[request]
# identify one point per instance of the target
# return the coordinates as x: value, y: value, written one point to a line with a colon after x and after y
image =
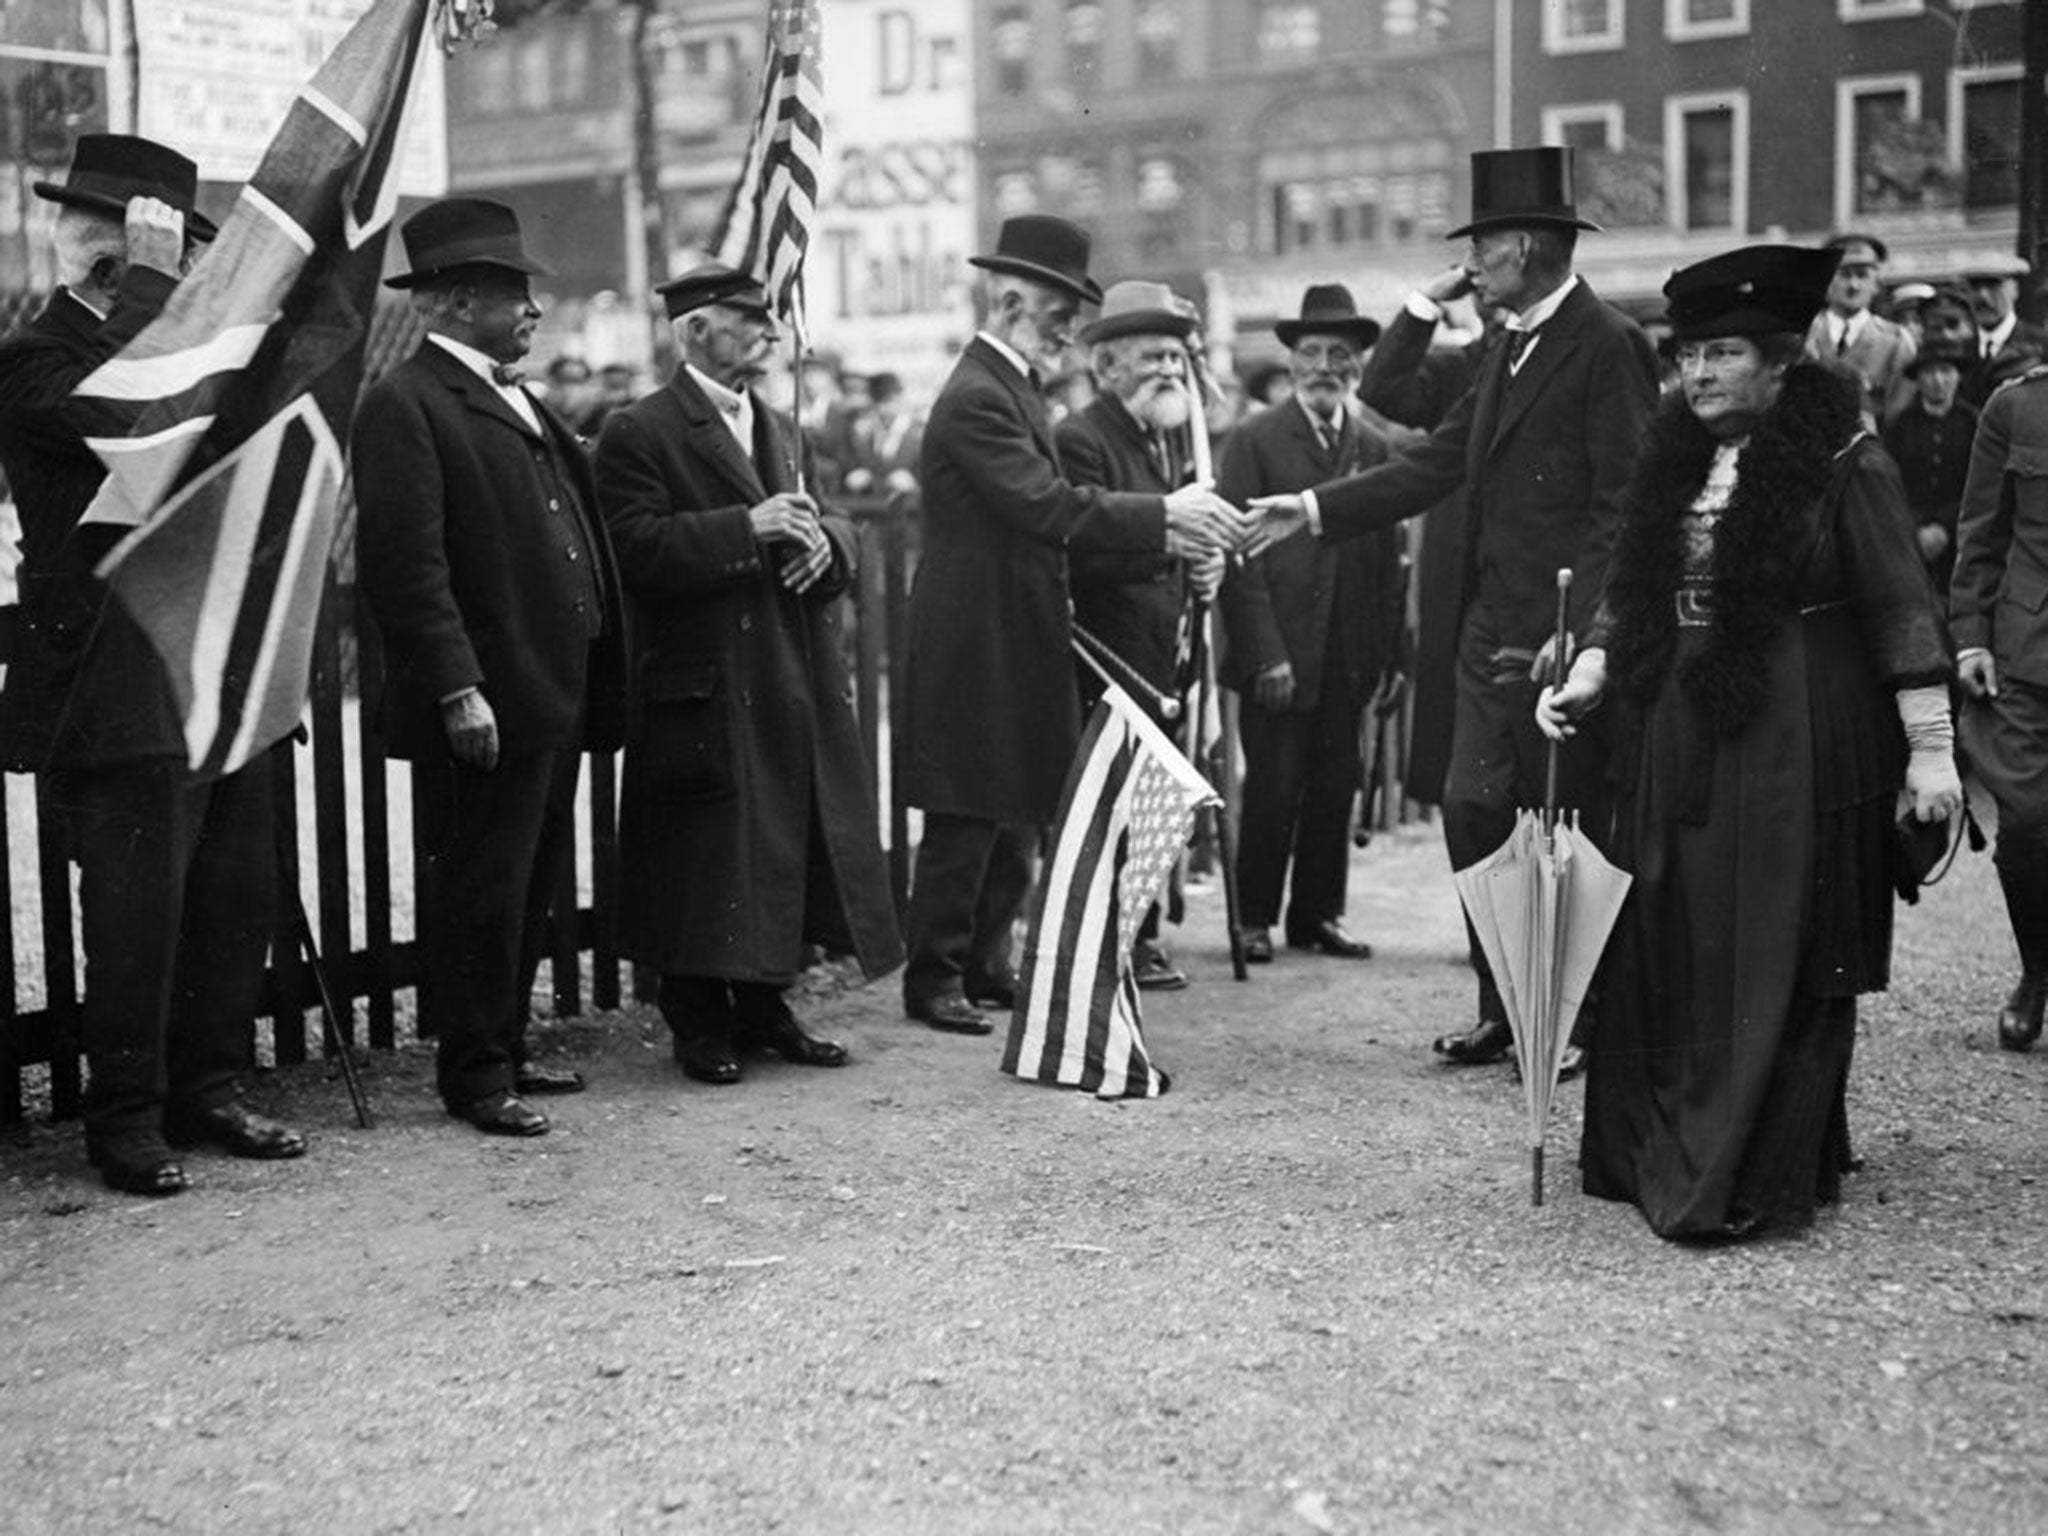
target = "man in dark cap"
x: 1849, y: 334
x: 1543, y: 446
x: 488, y: 571
x: 994, y: 710
x: 1311, y: 631
x: 748, y: 825
x: 177, y: 876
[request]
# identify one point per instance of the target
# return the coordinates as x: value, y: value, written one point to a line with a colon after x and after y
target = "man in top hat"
x: 489, y: 574
x: 1930, y: 441
x: 994, y: 712
x: 1850, y: 334
x: 1543, y: 446
x: 1310, y: 631
x: 2007, y: 346
x: 1133, y: 436
x: 747, y: 822
x: 177, y: 877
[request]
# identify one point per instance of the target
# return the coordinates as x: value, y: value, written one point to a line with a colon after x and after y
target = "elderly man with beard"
x: 1311, y: 629
x: 994, y: 711
x: 1132, y: 437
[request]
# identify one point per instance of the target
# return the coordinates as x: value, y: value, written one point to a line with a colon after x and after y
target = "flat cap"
x: 712, y: 283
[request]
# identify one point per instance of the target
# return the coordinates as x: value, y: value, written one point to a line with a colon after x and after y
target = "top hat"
x: 712, y: 283
x: 463, y: 232
x: 1327, y: 309
x: 1753, y: 291
x: 1046, y: 250
x: 1514, y: 187
x: 107, y: 169
x: 1138, y: 308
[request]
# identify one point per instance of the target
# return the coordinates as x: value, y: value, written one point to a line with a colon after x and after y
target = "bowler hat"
x: 108, y: 169
x: 1138, y: 308
x: 1328, y: 309
x: 463, y: 232
x: 1753, y: 291
x: 1517, y: 187
x: 1046, y: 250
x: 712, y: 283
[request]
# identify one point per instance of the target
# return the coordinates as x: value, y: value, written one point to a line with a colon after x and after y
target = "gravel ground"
x: 1305, y: 1292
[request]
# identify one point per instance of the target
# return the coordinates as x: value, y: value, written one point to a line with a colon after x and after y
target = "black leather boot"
x: 2019, y: 1021
x: 2026, y: 904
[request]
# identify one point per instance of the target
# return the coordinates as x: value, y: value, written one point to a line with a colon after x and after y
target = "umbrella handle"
x: 1560, y: 641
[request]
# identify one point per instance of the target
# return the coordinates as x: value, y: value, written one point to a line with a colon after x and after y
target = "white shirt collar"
x: 1318, y: 423
x: 481, y: 364
x: 1015, y: 358
x: 1998, y: 335
x: 735, y: 407
x: 1544, y: 307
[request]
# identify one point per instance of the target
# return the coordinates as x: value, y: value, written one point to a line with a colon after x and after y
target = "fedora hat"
x: 1328, y: 309
x: 1138, y: 308
x: 1753, y: 291
x: 712, y: 283
x: 1512, y: 187
x: 108, y: 169
x: 463, y: 232
x: 1046, y: 250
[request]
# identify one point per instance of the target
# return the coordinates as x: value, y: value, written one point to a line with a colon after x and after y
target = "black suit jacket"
x: 1544, y: 457
x: 467, y: 550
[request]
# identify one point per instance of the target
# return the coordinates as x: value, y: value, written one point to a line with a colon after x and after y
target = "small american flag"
x: 1125, y: 814
x: 767, y: 226
x: 221, y: 424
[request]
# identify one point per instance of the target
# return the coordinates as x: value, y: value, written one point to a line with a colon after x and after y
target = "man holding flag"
x: 177, y: 871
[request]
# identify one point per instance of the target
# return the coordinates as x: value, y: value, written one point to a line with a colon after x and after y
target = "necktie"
x: 1519, y: 343
x: 1162, y: 457
x: 1326, y: 434
x: 506, y: 375
x: 1842, y: 344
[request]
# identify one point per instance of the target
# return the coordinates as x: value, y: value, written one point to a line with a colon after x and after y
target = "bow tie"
x: 505, y: 375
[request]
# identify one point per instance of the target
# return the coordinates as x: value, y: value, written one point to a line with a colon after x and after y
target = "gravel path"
x: 1305, y: 1292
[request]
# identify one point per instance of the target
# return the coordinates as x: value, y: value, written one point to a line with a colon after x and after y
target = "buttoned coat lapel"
x: 706, y: 433
x: 1560, y: 339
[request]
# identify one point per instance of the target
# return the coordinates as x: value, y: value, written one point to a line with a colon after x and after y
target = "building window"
x: 1016, y: 191
x: 1415, y: 22
x: 1162, y: 198
x: 1290, y: 31
x: 1341, y: 197
x: 1011, y: 39
x: 1581, y: 26
x: 1706, y: 149
x: 1084, y: 26
x: 1159, y: 28
x: 1984, y: 134
x: 534, y: 84
x: 1887, y: 159
x: 1586, y: 127
x: 1686, y: 20
x: 1877, y: 10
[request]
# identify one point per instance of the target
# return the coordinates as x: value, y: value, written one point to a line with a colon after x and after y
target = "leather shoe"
x: 235, y: 1128
x: 778, y: 1031
x: 502, y: 1113
x: 1483, y: 1044
x: 1154, y: 970
x: 1329, y: 938
x: 532, y: 1079
x: 1258, y: 946
x: 2019, y: 1021
x: 952, y: 1013
x: 708, y: 1059
x: 140, y: 1165
x: 998, y: 991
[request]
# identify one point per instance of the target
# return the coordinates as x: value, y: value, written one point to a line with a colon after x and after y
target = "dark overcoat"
x: 1283, y: 604
x: 466, y: 548
x: 747, y: 820
x: 1130, y: 600
x: 1543, y: 455
x: 994, y: 708
x: 70, y: 703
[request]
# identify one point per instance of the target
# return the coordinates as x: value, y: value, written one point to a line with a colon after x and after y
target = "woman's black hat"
x: 1046, y: 250
x: 1328, y: 309
x: 108, y: 169
x: 463, y: 232
x: 1514, y: 188
x: 1753, y: 291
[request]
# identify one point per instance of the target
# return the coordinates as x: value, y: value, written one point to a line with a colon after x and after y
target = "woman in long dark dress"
x: 1782, y: 666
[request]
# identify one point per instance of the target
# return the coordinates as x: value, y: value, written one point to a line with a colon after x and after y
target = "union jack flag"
x: 766, y: 230
x: 222, y: 423
x: 1124, y: 817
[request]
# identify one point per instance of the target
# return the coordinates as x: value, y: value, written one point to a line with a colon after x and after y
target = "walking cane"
x: 1221, y: 771
x: 330, y: 1017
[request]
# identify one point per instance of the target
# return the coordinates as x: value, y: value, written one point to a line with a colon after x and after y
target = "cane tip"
x: 1564, y: 577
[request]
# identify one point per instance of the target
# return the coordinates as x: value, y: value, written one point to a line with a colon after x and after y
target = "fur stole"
x: 1761, y: 544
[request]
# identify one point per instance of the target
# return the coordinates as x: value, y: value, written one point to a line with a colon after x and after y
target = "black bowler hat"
x: 1751, y: 292
x: 1514, y: 188
x: 1046, y: 250
x: 1328, y: 309
x: 463, y: 232
x: 712, y: 283
x: 107, y: 169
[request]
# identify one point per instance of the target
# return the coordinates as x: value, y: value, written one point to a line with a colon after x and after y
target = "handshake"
x: 1200, y: 525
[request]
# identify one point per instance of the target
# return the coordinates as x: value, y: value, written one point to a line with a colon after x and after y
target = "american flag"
x: 767, y: 226
x: 222, y: 423
x: 1125, y: 813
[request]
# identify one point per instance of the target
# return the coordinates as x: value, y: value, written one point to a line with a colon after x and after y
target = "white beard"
x: 1165, y: 409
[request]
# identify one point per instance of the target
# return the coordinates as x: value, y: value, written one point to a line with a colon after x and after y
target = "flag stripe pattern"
x: 766, y: 231
x: 1124, y: 816
x: 221, y: 424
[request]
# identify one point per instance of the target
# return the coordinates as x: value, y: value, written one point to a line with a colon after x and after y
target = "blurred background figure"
x: 1931, y: 439
x: 885, y: 442
x: 570, y: 386
x: 2007, y: 346
x: 616, y: 387
x: 1903, y: 303
x: 1849, y: 333
x: 1266, y: 386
